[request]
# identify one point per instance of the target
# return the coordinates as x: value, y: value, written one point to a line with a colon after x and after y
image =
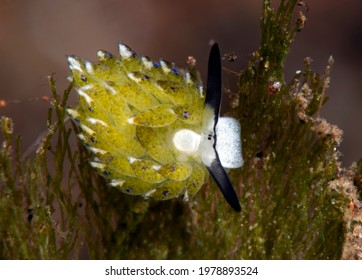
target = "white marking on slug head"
x: 187, y: 141
x: 228, y: 144
x: 206, y: 150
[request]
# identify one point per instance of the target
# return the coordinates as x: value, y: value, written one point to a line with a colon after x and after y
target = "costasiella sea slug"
x: 152, y: 128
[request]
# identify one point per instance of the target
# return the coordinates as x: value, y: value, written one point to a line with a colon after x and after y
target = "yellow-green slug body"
x: 143, y: 122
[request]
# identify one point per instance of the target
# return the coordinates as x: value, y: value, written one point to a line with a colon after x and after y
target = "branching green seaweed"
x: 298, y: 203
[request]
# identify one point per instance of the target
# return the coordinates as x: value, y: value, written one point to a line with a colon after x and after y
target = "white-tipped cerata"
x: 125, y: 51
x: 74, y: 64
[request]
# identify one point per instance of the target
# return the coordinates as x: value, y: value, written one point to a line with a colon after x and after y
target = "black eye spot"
x: 106, y: 173
x: 93, y: 140
x: 186, y: 114
x: 209, y: 137
x: 129, y: 190
x: 165, y: 193
x: 90, y: 109
x: 83, y: 78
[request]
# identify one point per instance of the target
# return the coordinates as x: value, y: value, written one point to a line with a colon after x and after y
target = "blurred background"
x: 36, y: 35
